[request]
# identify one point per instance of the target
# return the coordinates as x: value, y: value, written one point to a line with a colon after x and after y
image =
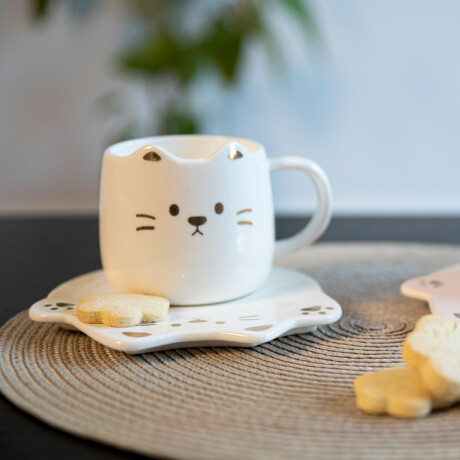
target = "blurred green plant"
x: 164, y: 47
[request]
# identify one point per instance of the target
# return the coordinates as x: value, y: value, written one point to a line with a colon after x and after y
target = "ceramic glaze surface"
x: 287, y: 303
x: 441, y: 290
x: 189, y: 218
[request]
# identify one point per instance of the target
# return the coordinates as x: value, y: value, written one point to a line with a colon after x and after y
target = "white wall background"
x: 379, y: 108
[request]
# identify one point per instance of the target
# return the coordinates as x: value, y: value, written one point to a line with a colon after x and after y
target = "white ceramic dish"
x: 440, y: 289
x: 288, y: 303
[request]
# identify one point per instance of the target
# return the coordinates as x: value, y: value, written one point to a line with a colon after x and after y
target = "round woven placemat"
x: 290, y: 398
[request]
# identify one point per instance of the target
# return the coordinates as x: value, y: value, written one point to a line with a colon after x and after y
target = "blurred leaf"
x: 159, y: 55
x: 223, y: 45
x: 176, y: 120
x: 301, y: 10
x: 154, y: 55
x: 221, y: 49
x: 40, y: 8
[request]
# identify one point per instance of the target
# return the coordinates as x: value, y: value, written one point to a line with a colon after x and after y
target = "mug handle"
x: 321, y: 217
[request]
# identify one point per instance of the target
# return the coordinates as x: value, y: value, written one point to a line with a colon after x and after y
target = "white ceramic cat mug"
x: 191, y: 218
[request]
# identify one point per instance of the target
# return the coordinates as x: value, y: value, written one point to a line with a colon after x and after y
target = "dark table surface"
x: 36, y: 254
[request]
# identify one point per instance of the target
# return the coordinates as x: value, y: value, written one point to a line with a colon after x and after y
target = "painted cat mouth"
x: 197, y: 231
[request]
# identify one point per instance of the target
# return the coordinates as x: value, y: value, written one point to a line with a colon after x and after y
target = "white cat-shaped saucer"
x: 440, y: 289
x: 288, y: 303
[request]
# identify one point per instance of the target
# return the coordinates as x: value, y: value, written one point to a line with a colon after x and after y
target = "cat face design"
x: 195, y: 225
x: 171, y: 214
x: 195, y: 221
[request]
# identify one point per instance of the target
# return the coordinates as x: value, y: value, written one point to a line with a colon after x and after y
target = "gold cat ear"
x: 231, y: 151
x: 151, y: 156
x: 235, y: 154
x: 148, y: 153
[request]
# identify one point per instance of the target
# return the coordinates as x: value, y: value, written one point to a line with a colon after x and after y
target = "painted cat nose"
x: 197, y: 220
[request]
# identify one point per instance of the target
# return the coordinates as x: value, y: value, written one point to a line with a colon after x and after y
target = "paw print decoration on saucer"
x: 288, y: 303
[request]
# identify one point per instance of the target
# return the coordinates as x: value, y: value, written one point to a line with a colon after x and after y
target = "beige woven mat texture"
x: 291, y: 398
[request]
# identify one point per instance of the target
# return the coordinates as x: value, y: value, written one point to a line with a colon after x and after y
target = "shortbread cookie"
x: 433, y: 350
x: 398, y: 391
x: 122, y: 310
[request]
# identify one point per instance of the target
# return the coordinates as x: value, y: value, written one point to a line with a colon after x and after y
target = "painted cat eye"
x: 174, y: 210
x: 219, y: 208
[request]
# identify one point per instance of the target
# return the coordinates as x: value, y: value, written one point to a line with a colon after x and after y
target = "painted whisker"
x: 145, y: 227
x: 244, y: 222
x: 243, y: 210
x: 145, y: 215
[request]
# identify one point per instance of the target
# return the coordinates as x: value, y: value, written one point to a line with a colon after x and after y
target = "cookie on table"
x: 397, y: 391
x: 433, y: 351
x: 122, y: 310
